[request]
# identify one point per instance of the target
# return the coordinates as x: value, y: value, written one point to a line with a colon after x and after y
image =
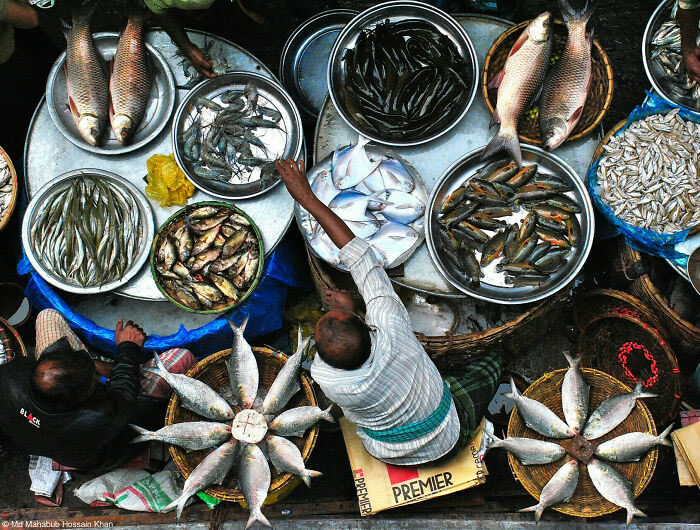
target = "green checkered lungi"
x: 472, y: 392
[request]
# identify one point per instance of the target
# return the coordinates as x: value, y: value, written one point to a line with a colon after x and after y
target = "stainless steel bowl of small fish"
x: 663, y: 62
x: 229, y: 131
x: 208, y: 257
x: 509, y: 235
x: 386, y: 207
x: 420, y: 96
x: 111, y: 211
x: 159, y: 109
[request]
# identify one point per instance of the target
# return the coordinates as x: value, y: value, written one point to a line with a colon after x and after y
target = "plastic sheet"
x: 642, y: 239
x: 265, y: 308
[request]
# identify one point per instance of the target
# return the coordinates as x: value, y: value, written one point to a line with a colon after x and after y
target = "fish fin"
x: 144, y: 434
x: 513, y: 394
x: 535, y: 508
x: 639, y: 393
x: 662, y: 437
x: 326, y: 415
x: 256, y: 516
x: 571, y: 360
x: 152, y: 371
x: 503, y: 141
x: 159, y: 362
x: 520, y: 42
x: 65, y: 27
x: 496, y: 80
x: 495, y: 118
x: 589, y: 38
x: 308, y: 474
x: 492, y: 441
x: 631, y: 512
x: 362, y: 141
x: 576, y: 115
x: 571, y: 15
x: 235, y: 328
x: 73, y: 108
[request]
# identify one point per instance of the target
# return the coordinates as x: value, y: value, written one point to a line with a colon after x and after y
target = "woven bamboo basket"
x: 683, y: 334
x: 590, y: 305
x: 452, y: 352
x: 11, y: 340
x: 212, y: 371
x: 599, y: 97
x: 629, y: 349
x: 15, y: 186
x: 586, y: 501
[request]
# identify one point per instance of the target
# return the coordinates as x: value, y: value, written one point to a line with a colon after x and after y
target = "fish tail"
x: 326, y: 415
x: 573, y: 361
x: 492, y: 441
x: 535, y: 508
x: 513, y: 394
x: 362, y: 141
x: 639, y: 393
x: 144, y: 434
x: 84, y: 13
x: 504, y: 140
x: 661, y: 438
x: 159, y: 363
x: 256, y: 516
x: 572, y: 15
x: 308, y: 475
x: 236, y: 328
x: 632, y: 511
x: 178, y: 503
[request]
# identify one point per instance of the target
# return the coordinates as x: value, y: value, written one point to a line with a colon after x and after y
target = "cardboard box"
x: 382, y: 486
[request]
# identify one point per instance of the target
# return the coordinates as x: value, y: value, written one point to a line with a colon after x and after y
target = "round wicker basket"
x: 628, y: 348
x: 598, y: 100
x: 586, y: 501
x: 452, y: 352
x: 11, y: 340
x: 591, y: 304
x: 13, y: 180
x: 213, y: 372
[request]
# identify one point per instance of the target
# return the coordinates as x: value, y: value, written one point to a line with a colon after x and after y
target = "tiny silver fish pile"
x: 649, y: 173
x: 629, y: 447
x: 668, y: 67
x: 5, y: 187
x: 207, y: 258
x: 235, y: 137
x: 88, y: 233
x: 245, y: 445
x: 377, y: 198
x: 482, y: 221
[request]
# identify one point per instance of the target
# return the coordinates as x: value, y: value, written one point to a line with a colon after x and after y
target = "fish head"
x: 541, y: 27
x: 90, y: 128
x: 122, y: 125
x: 556, y: 130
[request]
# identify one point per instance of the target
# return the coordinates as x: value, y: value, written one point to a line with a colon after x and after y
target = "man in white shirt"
x: 376, y: 370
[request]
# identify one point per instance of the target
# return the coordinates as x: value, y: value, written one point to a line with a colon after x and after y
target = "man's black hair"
x: 347, y: 340
x: 63, y: 378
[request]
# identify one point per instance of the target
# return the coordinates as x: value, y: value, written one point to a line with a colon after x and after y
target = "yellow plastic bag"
x: 167, y: 183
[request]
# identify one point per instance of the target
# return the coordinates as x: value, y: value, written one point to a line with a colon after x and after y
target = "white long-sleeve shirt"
x: 398, y: 384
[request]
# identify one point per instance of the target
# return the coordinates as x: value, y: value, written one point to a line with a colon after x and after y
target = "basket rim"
x: 613, y: 294
x: 282, y: 482
x: 15, y: 187
x: 22, y: 348
x: 650, y: 466
x: 597, y: 49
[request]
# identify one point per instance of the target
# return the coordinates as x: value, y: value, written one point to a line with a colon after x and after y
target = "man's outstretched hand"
x: 129, y: 333
x: 692, y: 63
x: 293, y: 174
x: 199, y: 61
x: 338, y: 300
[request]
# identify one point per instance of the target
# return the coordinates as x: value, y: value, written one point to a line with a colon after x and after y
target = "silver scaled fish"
x: 538, y: 416
x: 574, y: 395
x: 612, y: 412
x: 286, y: 384
x: 559, y: 489
x: 242, y: 367
x: 614, y: 487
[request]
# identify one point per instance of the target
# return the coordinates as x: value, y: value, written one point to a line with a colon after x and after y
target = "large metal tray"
x: 63, y: 181
x: 286, y: 142
x: 158, y: 111
x: 492, y: 287
x: 304, y: 60
x: 48, y: 154
x: 395, y: 11
x: 306, y: 223
x: 432, y: 159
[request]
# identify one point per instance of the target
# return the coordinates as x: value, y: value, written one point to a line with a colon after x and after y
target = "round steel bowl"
x: 212, y: 88
x: 492, y: 287
x: 158, y: 110
x: 165, y: 227
x: 394, y: 11
x: 660, y: 15
x: 305, y: 58
x: 63, y: 181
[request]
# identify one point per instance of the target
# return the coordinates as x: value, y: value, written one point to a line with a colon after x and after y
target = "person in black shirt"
x: 58, y: 406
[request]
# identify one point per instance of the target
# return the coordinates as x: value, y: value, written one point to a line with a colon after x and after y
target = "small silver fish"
x: 286, y: 384
x: 350, y: 205
x: 612, y: 412
x: 538, y: 417
x: 528, y: 450
x: 212, y: 470
x: 399, y: 206
x: 286, y: 458
x: 352, y: 165
x: 574, y: 395
x: 242, y: 367
x: 323, y: 187
x: 254, y: 476
x: 191, y: 435
x: 194, y: 394
x: 631, y: 446
x: 559, y: 489
x: 295, y: 422
x: 392, y: 241
x: 614, y: 487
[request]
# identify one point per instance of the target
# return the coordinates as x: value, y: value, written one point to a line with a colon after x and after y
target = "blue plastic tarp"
x: 265, y: 308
